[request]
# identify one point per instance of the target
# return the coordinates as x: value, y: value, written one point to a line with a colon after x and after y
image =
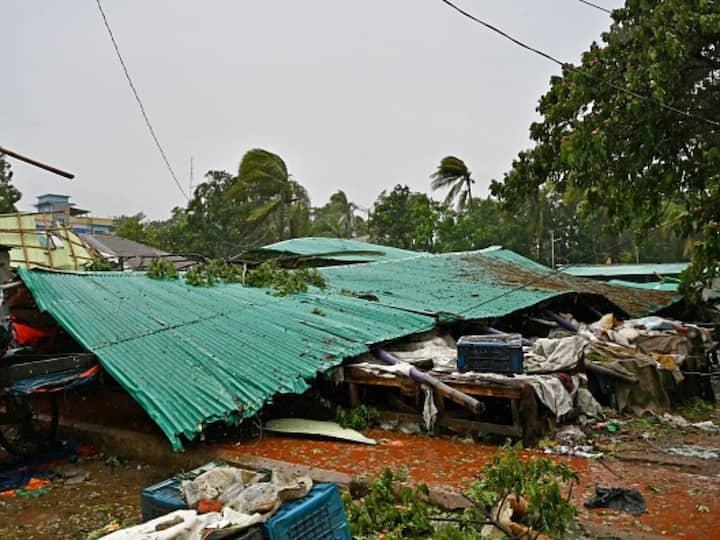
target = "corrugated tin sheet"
x: 192, y: 355
x: 669, y: 286
x: 611, y: 270
x: 333, y: 248
x: 53, y: 247
x: 478, y: 285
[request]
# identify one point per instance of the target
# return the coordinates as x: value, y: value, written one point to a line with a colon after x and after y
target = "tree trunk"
x: 281, y: 219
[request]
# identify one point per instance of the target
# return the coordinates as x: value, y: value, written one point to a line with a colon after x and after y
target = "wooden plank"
x: 358, y: 376
x: 457, y: 424
x: 479, y: 388
x: 400, y: 405
x: 487, y: 390
x: 528, y: 415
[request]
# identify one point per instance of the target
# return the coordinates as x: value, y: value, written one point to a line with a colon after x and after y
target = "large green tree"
x: 452, y: 174
x: 608, y: 132
x: 405, y: 219
x: 9, y: 194
x: 131, y: 227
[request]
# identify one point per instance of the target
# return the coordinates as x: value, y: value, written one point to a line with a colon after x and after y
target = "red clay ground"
x: 112, y: 492
x: 683, y: 502
x: 672, y: 495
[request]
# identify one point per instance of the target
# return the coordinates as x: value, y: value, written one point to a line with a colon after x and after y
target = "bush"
x: 162, y: 269
x: 284, y: 282
x: 358, y: 417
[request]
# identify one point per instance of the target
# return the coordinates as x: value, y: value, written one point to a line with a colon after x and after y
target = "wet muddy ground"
x: 683, y: 494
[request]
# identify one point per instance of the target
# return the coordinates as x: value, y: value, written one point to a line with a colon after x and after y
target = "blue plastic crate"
x: 162, y: 498
x: 319, y: 516
x: 493, y: 353
x: 166, y: 496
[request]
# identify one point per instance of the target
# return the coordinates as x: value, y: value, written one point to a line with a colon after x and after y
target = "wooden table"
x: 523, y: 404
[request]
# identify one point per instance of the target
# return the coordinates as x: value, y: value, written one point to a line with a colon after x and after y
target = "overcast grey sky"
x: 354, y: 95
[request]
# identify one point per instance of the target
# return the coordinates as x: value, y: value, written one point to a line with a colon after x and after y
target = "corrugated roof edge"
x: 232, y: 416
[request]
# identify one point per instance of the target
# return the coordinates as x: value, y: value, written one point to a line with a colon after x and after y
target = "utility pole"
x: 192, y: 176
x: 552, y: 248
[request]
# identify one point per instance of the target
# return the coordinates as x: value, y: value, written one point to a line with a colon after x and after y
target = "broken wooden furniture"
x: 524, y: 424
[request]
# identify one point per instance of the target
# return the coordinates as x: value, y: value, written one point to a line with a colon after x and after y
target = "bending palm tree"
x: 453, y: 173
x: 264, y: 183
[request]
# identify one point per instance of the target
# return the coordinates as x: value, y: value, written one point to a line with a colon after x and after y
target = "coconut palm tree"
x: 263, y: 183
x: 453, y: 173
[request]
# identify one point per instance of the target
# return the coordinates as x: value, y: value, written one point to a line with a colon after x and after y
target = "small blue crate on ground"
x: 493, y: 353
x: 161, y: 499
x: 319, y: 516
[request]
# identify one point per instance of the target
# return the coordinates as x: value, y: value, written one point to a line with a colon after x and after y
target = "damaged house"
x: 194, y: 356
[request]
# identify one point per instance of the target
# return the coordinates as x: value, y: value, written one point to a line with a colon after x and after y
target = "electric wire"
x: 139, y: 101
x: 577, y: 70
x: 606, y: 10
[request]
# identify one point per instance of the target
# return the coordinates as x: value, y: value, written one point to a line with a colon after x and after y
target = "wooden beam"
x: 457, y: 424
x: 354, y: 394
x: 36, y: 163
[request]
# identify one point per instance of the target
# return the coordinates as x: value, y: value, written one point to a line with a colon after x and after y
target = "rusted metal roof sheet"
x: 482, y: 284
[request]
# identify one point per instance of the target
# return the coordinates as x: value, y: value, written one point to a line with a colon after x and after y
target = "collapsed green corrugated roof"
x: 482, y: 284
x: 192, y: 355
x: 335, y: 248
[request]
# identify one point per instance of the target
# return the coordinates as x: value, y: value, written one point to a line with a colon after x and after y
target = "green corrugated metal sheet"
x: 193, y: 355
x: 478, y: 285
x: 333, y: 247
x: 669, y: 286
x: 610, y: 270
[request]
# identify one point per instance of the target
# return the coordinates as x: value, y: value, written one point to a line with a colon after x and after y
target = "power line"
x: 582, y: 72
x: 606, y: 10
x: 139, y: 101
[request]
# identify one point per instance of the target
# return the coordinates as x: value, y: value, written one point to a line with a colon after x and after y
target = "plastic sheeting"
x: 331, y: 430
x: 54, y: 382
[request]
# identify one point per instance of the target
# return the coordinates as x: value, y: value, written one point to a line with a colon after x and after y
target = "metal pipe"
x: 562, y: 322
x: 31, y: 161
x: 443, y: 389
x: 594, y: 311
x: 491, y: 330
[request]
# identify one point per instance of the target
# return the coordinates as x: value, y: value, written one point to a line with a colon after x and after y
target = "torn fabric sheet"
x: 548, y: 355
x: 185, y: 525
x: 384, y: 370
x: 430, y: 411
x: 553, y: 394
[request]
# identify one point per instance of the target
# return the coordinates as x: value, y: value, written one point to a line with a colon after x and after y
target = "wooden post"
x: 354, y: 394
